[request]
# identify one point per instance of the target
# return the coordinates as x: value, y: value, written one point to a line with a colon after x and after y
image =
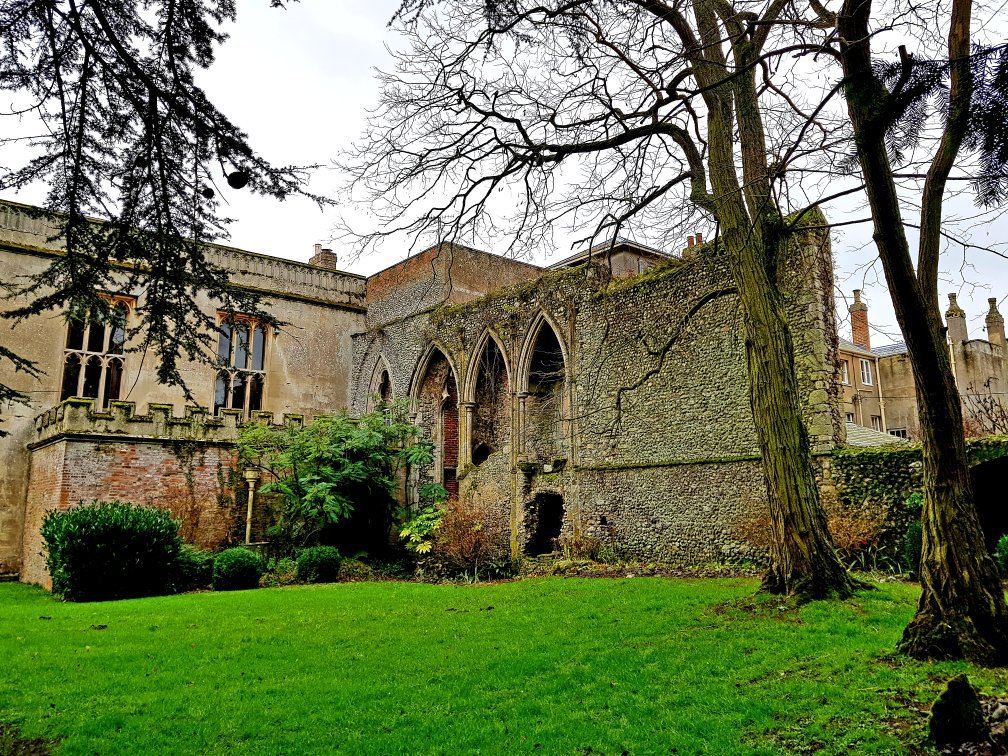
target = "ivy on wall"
x: 886, y: 477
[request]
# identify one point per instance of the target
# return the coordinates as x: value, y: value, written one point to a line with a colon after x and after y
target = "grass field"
x: 546, y: 666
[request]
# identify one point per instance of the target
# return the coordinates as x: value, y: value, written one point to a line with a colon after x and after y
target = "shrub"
x: 856, y: 532
x: 1001, y: 554
x: 336, y: 475
x: 280, y: 572
x: 467, y: 542
x: 912, y: 548
x: 110, y: 550
x: 237, y: 569
x: 355, y: 569
x: 193, y: 569
x: 318, y: 564
x: 417, y: 533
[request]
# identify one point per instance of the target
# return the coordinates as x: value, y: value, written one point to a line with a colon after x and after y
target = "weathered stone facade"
x: 879, y: 390
x: 307, y: 365
x: 627, y: 398
x: 604, y: 399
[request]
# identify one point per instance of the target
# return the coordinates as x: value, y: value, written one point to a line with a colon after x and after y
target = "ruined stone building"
x: 878, y: 387
x: 605, y: 397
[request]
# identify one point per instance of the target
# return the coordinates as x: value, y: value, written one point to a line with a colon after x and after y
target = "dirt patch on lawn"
x: 13, y: 743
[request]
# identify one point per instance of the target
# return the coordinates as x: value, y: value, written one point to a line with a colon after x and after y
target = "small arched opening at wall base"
x: 543, y: 522
x: 988, y: 493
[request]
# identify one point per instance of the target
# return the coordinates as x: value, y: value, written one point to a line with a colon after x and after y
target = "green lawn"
x: 549, y: 665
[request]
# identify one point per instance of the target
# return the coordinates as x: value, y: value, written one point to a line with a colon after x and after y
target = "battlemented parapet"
x: 185, y: 464
x: 304, y: 365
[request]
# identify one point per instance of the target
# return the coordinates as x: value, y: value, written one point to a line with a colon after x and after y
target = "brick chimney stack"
x: 859, y: 322
x: 955, y: 319
x: 323, y: 258
x: 995, y: 324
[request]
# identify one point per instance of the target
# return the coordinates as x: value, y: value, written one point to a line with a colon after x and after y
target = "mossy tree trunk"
x: 803, y: 561
x: 962, y: 612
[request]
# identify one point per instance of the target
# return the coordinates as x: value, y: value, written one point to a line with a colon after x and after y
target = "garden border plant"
x: 325, y: 474
x: 111, y: 550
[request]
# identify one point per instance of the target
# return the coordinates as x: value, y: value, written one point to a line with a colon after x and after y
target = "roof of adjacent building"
x: 618, y: 243
x: 858, y: 435
x: 883, y: 351
x: 891, y: 349
x: 850, y: 346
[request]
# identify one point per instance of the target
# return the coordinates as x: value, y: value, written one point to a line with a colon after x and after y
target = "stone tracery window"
x: 93, y: 359
x: 241, y: 354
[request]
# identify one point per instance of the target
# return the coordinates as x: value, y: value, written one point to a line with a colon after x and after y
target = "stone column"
x: 466, y: 421
x: 251, y: 477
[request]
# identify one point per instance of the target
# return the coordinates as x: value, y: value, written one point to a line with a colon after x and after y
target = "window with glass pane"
x: 241, y: 350
x: 866, y: 372
x: 93, y: 365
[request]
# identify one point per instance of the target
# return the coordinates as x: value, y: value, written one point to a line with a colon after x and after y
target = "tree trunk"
x: 803, y: 561
x: 962, y: 612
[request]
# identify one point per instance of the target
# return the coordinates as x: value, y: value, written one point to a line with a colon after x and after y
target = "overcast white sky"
x: 300, y: 80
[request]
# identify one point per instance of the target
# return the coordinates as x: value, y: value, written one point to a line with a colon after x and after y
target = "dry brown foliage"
x: 468, y: 540
x: 855, y: 530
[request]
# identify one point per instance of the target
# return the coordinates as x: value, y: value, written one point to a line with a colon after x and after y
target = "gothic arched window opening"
x: 491, y: 429
x: 241, y: 354
x: 545, y: 403
x: 93, y: 361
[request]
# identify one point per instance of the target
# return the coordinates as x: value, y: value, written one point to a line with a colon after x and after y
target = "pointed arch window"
x: 93, y: 361
x: 385, y: 388
x: 241, y: 356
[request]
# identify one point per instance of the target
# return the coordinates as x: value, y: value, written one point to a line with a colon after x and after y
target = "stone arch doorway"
x: 544, y: 517
x: 989, y: 494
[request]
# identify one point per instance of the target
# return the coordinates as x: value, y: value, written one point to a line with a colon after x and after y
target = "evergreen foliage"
x: 318, y: 564
x: 333, y: 470
x: 237, y: 569
x: 193, y: 569
x: 110, y: 550
x: 123, y: 131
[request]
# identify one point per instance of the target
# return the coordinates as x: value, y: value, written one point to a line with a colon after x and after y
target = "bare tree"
x: 609, y: 115
x: 962, y: 611
x: 108, y: 115
x: 986, y: 413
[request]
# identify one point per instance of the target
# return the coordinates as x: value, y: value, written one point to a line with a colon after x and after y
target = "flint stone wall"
x: 657, y: 435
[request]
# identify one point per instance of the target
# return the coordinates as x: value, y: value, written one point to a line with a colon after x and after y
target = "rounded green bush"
x: 355, y: 569
x: 237, y: 569
x: 110, y: 550
x: 318, y: 564
x: 193, y: 569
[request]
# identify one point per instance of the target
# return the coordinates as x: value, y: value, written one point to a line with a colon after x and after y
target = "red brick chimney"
x: 859, y: 322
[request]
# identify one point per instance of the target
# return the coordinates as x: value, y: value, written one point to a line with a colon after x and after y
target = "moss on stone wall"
x: 890, y: 474
x: 883, y: 479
